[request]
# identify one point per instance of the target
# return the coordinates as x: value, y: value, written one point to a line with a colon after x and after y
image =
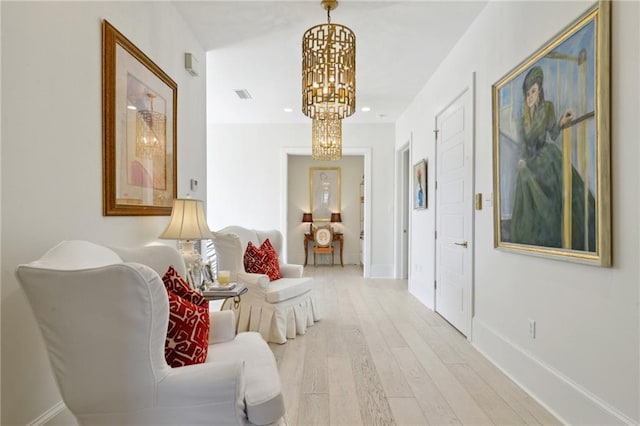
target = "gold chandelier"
x: 326, y: 138
x: 328, y: 83
x: 329, y: 68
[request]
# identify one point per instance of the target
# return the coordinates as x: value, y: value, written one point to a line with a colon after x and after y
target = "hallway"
x: 379, y: 357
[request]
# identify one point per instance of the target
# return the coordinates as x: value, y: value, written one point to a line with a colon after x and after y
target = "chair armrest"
x: 259, y: 280
x: 289, y: 270
x: 209, y: 391
x: 223, y: 326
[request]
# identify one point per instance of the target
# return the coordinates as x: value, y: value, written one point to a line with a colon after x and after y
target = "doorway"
x: 454, y: 211
x: 403, y: 225
x: 295, y: 200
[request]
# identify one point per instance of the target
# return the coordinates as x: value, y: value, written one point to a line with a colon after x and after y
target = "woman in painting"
x: 537, y: 217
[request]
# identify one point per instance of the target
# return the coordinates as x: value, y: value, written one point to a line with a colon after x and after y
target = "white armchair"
x: 278, y: 310
x: 104, y: 322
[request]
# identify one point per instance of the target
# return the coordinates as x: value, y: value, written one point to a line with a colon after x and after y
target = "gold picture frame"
x: 551, y: 147
x: 139, y: 109
x: 324, y: 192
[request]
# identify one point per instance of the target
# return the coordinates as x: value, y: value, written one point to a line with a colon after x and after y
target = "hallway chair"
x: 323, y: 243
x: 279, y: 309
x: 103, y: 314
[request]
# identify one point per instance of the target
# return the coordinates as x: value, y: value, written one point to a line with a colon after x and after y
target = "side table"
x: 227, y: 295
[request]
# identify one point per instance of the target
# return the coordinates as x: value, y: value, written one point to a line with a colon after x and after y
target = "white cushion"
x: 263, y: 396
x: 286, y: 288
x: 75, y: 254
x: 288, y: 270
x: 157, y: 256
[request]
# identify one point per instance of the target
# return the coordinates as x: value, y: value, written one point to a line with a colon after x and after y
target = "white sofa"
x: 278, y: 310
x: 103, y: 314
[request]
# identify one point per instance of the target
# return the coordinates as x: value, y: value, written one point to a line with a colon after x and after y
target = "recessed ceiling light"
x: 131, y: 107
x: 365, y: 109
x: 288, y: 110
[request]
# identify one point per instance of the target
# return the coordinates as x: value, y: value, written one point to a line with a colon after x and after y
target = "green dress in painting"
x: 537, y: 217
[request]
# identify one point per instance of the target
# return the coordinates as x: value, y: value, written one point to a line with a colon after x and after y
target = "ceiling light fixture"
x: 329, y: 68
x: 326, y: 138
x: 328, y: 83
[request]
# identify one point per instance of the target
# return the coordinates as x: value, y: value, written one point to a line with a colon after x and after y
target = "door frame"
x: 366, y: 153
x: 470, y: 301
x: 402, y: 217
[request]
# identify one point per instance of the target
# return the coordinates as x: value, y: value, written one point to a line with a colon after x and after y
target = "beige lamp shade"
x: 188, y: 221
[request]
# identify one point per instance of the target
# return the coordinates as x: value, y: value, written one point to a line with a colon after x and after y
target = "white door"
x: 454, y: 212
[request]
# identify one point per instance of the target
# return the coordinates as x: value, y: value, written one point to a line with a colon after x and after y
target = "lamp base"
x: 193, y: 263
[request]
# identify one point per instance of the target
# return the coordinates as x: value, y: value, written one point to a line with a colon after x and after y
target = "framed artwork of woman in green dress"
x: 551, y: 147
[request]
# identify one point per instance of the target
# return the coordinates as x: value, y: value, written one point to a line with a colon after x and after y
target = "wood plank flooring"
x: 379, y: 357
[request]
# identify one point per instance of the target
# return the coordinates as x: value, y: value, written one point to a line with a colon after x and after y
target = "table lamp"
x: 188, y: 224
x: 308, y: 218
x: 336, y: 218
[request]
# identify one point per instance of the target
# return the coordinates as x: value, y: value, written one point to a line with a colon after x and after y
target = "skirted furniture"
x: 279, y: 309
x: 103, y: 314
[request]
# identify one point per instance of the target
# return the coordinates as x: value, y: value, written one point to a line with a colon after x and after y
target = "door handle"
x: 463, y: 244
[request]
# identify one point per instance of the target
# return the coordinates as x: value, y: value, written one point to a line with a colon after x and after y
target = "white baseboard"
x: 48, y: 415
x: 381, y: 271
x: 567, y: 400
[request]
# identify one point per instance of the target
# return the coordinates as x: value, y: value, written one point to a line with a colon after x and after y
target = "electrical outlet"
x: 532, y: 328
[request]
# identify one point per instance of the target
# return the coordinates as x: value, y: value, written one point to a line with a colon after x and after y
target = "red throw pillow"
x: 175, y: 283
x: 266, y: 245
x: 263, y: 260
x: 187, y: 339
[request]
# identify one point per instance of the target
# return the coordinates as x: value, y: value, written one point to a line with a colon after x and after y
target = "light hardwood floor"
x: 379, y: 357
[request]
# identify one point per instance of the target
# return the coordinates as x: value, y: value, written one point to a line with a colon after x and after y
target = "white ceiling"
x: 256, y: 45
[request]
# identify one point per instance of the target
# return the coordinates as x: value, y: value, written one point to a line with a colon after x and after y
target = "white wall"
x: 352, y: 171
x: 52, y: 156
x: 584, y: 362
x: 247, y: 162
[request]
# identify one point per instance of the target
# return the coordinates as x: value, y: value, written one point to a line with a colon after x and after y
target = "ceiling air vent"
x: 243, y: 93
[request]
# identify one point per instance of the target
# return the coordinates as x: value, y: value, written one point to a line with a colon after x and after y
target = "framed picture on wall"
x: 324, y: 192
x: 551, y: 147
x: 139, y: 104
x: 420, y: 185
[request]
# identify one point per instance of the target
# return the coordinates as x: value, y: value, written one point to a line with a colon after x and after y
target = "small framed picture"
x: 206, y: 270
x: 420, y: 185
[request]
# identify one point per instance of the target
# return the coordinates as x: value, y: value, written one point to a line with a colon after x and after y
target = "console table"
x: 337, y: 238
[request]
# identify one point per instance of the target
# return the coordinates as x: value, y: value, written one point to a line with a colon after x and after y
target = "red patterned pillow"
x: 187, y: 339
x: 175, y: 283
x: 266, y: 245
x: 263, y: 260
